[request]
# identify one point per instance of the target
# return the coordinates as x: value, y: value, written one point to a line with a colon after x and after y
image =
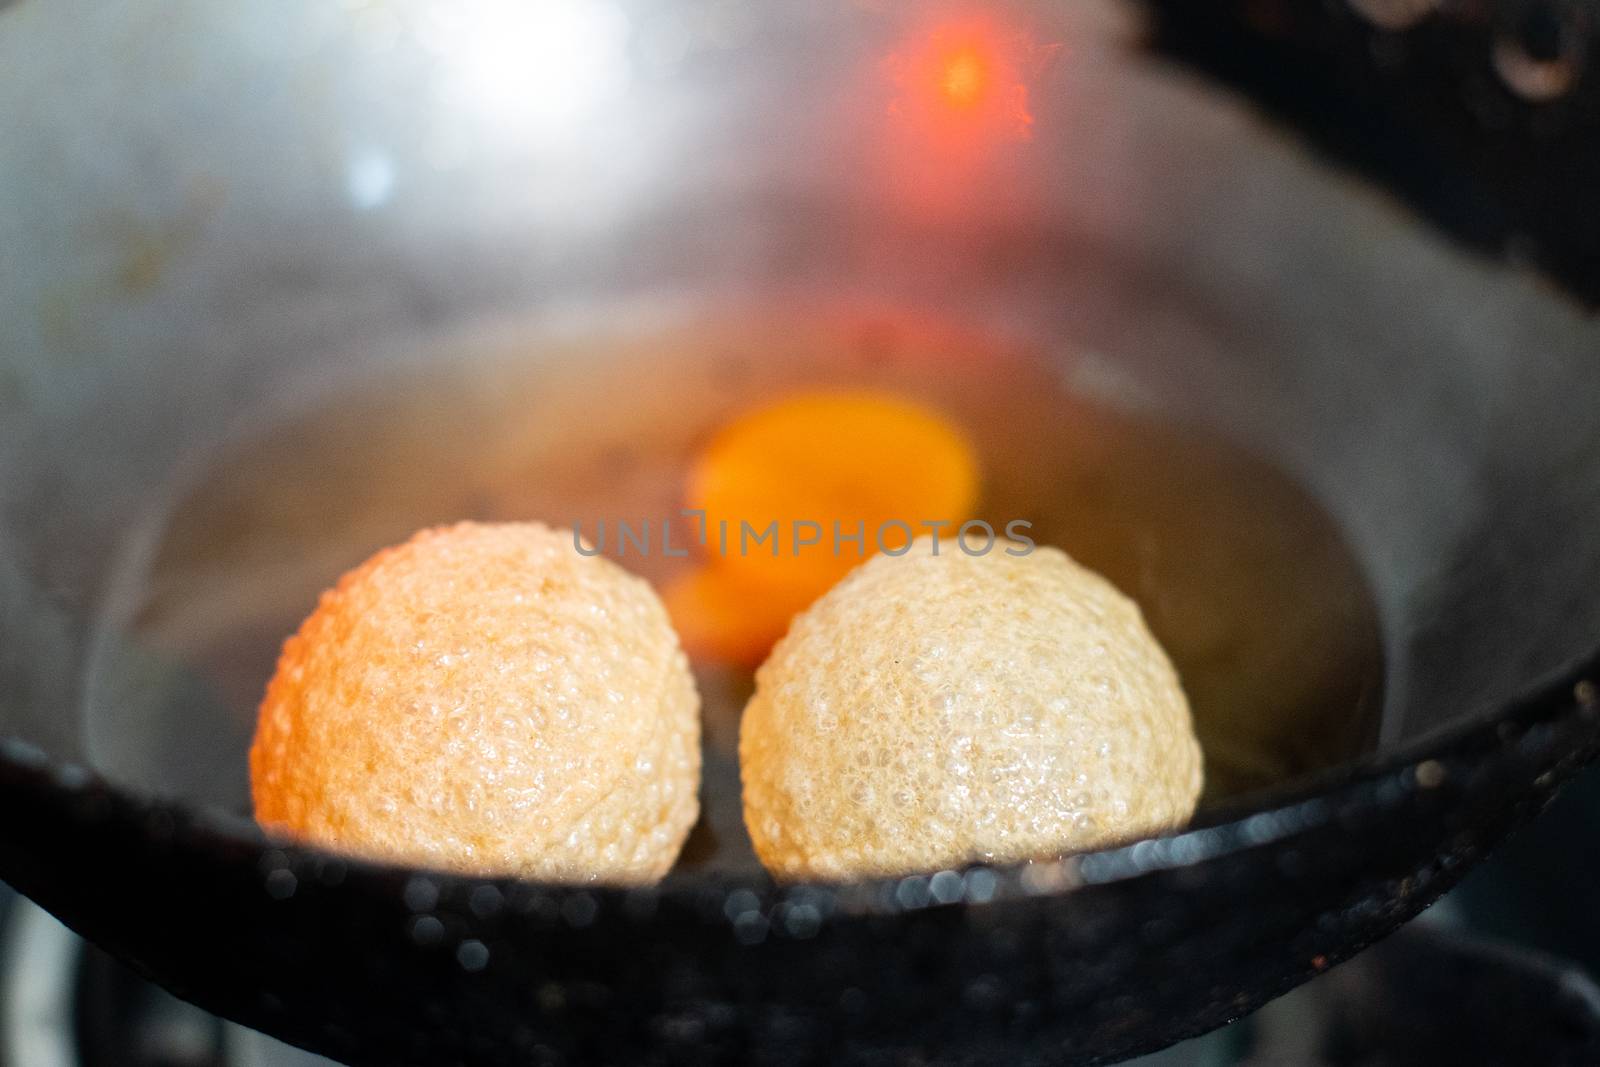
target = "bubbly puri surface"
x: 934, y: 710
x: 484, y: 698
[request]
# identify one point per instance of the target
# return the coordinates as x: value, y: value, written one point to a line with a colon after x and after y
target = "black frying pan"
x: 215, y: 211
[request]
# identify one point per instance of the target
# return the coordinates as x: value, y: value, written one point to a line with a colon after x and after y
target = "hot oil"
x: 1242, y: 577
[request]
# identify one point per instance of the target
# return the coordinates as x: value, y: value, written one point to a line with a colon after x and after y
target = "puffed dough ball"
x: 934, y: 710
x: 485, y: 698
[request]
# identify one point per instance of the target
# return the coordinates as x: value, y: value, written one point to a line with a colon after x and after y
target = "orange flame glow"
x: 957, y: 113
x: 966, y: 76
x: 960, y: 82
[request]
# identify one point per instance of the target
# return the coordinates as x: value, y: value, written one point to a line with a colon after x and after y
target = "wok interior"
x: 1244, y: 580
x: 1177, y: 264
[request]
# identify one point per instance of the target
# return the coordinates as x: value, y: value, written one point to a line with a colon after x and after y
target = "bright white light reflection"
x: 369, y: 179
x: 540, y: 67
